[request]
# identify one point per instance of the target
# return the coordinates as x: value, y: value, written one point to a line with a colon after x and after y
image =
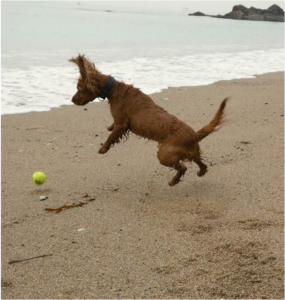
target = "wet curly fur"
x: 134, y: 111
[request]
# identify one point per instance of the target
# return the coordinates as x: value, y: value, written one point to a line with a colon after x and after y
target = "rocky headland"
x: 239, y: 12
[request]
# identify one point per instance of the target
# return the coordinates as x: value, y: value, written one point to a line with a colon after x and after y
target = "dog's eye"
x: 79, y: 89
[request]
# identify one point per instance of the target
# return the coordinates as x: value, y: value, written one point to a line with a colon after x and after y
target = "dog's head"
x: 87, y: 87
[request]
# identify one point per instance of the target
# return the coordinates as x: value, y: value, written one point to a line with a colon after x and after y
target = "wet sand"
x: 219, y: 236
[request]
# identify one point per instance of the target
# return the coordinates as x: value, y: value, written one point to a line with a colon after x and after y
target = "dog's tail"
x: 217, y: 120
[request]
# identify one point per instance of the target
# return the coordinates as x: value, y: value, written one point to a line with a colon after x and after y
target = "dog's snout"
x: 73, y: 99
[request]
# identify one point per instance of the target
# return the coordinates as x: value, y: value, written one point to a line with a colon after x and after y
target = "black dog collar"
x: 106, y: 90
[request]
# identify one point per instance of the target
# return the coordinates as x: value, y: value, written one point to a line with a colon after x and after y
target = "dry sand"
x: 220, y: 236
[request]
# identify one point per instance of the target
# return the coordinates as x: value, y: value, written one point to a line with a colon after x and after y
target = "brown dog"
x: 134, y: 111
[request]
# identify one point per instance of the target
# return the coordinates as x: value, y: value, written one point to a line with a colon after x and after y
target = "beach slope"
x: 219, y: 236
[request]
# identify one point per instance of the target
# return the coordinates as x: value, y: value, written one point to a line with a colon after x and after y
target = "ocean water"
x: 150, y: 50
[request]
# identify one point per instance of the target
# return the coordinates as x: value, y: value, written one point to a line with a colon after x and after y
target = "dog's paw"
x: 201, y: 173
x: 172, y: 183
x: 103, y: 150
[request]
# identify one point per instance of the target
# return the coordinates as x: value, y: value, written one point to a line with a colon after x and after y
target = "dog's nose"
x: 73, y: 99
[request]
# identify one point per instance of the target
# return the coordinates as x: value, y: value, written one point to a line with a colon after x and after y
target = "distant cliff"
x: 239, y: 12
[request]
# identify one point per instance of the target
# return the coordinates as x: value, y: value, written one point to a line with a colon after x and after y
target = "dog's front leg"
x: 114, y: 137
x: 111, y: 127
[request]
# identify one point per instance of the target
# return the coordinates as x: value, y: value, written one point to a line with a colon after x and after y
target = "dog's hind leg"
x: 202, y: 166
x: 198, y: 160
x: 169, y: 156
x: 181, y: 169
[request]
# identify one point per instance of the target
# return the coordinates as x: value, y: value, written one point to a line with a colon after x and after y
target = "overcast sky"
x: 208, y: 7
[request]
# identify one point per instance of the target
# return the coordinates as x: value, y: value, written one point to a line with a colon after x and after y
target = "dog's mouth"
x: 80, y: 103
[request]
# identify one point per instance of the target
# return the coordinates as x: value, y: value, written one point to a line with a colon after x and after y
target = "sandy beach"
x: 219, y: 236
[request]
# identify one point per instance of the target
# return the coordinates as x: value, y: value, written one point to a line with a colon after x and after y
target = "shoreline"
x: 219, y: 236
x: 150, y: 95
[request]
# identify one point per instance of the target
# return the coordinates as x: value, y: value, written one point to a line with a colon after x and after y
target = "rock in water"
x: 273, y: 13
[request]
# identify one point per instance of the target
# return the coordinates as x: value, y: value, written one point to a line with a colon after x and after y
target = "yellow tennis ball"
x: 39, y: 178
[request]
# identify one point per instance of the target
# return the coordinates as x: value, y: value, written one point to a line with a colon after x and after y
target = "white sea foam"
x: 150, y: 51
x: 39, y: 88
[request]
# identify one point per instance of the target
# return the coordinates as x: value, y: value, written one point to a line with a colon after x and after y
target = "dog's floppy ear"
x: 80, y: 62
x: 87, y: 71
